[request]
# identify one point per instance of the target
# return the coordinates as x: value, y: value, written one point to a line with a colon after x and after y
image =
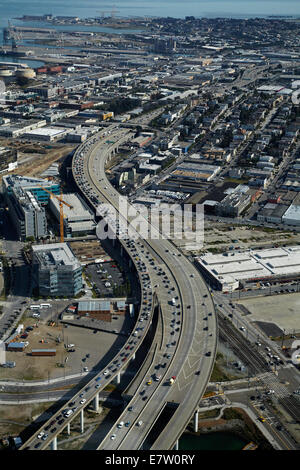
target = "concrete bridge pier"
x: 82, y: 421
x: 118, y: 378
x: 53, y: 444
x: 96, y: 402
x: 69, y: 429
x: 176, y: 445
x: 196, y: 421
x: 133, y: 357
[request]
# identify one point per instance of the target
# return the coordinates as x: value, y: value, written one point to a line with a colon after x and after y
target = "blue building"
x: 11, y: 182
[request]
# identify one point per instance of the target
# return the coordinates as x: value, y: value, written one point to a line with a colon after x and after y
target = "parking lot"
x: 106, y: 279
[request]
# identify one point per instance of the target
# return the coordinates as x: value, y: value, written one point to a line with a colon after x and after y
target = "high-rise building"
x: 26, y: 214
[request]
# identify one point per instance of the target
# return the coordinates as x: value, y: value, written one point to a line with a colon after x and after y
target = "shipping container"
x: 43, y: 352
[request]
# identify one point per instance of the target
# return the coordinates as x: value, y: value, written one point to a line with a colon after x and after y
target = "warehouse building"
x: 292, y: 215
x: 229, y: 271
x: 78, y: 218
x: 47, y: 134
x: 19, y: 128
x: 195, y: 171
x: 272, y: 213
x: 101, y: 309
x: 56, y: 270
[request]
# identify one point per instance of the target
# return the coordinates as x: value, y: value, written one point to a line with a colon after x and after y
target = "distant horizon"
x: 155, y: 8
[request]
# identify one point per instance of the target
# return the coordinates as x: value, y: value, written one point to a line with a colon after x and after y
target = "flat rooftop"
x: 79, y: 211
x: 252, y: 264
x: 55, y: 254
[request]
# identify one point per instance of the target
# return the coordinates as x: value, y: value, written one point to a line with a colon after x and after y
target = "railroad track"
x: 242, y: 347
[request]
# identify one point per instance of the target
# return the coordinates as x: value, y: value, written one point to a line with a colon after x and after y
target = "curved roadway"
x: 189, y: 332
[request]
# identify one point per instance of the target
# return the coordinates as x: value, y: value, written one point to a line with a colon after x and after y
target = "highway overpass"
x: 188, y: 329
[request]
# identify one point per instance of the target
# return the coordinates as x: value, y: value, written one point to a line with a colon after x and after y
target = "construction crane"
x: 61, y: 211
x: 112, y: 12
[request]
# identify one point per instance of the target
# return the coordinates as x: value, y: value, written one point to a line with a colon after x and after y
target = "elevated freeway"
x: 188, y: 330
x: 192, y: 348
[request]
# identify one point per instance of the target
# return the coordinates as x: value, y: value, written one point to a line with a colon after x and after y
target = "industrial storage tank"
x: 26, y: 73
x: 6, y: 73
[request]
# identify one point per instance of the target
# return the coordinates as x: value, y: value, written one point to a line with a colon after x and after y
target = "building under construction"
x: 78, y: 219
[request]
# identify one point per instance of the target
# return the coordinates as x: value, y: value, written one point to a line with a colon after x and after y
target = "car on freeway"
x: 40, y: 435
x: 82, y: 401
x: 113, y: 436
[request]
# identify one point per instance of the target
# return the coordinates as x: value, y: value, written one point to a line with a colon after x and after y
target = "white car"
x: 82, y: 401
x: 113, y: 436
x: 40, y: 435
x: 105, y: 372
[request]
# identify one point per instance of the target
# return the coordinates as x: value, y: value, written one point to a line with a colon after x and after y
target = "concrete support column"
x: 196, y: 421
x: 133, y: 357
x: 96, y: 402
x: 118, y: 378
x: 69, y: 429
x: 54, y: 444
x: 176, y: 445
x: 82, y: 421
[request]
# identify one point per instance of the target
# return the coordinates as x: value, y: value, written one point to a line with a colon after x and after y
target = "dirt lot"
x: 15, y: 418
x: 219, y: 237
x: 88, y: 250
x: 33, y: 368
x: 40, y: 161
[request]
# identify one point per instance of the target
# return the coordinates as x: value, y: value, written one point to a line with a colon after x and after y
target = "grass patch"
x: 209, y: 414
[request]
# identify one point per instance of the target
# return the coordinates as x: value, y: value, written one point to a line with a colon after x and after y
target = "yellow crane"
x: 61, y: 211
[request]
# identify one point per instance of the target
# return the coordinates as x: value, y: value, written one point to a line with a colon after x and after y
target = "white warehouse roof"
x: 252, y: 265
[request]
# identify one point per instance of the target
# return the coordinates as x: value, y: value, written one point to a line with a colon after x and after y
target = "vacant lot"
x: 283, y: 310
